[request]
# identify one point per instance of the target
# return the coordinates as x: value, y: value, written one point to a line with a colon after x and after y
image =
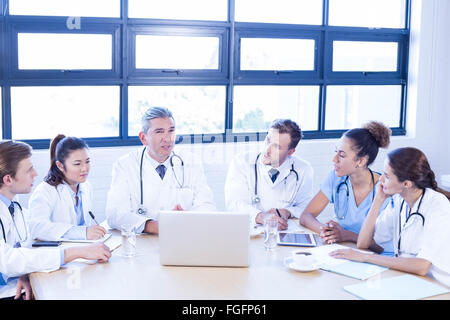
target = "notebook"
x: 404, y: 287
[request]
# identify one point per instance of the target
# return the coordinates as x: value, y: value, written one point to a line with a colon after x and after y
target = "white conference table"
x: 143, y: 277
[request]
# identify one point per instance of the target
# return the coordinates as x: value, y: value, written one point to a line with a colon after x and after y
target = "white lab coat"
x: 123, y: 198
x: 430, y: 241
x: 15, y: 262
x: 52, y: 211
x: 285, y: 192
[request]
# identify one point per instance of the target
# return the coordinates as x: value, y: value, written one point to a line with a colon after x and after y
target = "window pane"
x: 72, y: 8
x: 364, y: 56
x: 367, y: 13
x: 196, y: 109
x: 177, y: 52
x: 255, y: 107
x: 179, y: 9
x: 277, y: 54
x: 43, y: 112
x: 64, y: 51
x: 351, y: 106
x: 280, y: 11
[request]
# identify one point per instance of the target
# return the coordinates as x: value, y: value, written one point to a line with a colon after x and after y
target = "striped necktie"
x: 273, y: 173
x: 161, y: 169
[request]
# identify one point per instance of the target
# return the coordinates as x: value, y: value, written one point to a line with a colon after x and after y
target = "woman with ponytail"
x: 17, y: 258
x: 350, y: 187
x: 61, y: 205
x: 417, y: 221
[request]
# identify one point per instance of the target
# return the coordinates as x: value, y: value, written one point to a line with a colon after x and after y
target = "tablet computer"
x: 296, y: 239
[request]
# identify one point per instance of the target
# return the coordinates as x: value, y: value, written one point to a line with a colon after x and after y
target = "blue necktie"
x: 273, y: 173
x: 161, y: 169
x: 11, y: 209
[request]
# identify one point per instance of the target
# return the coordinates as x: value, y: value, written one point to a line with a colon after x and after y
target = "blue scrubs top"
x: 350, y: 216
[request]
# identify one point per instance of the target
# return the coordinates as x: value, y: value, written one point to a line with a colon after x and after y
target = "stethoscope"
x: 15, y: 226
x: 417, y: 213
x: 142, y: 209
x: 256, y: 199
x: 337, y: 207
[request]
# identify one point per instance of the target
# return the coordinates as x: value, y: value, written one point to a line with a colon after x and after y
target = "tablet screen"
x: 300, y: 239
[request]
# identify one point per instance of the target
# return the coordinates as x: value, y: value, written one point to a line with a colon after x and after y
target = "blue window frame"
x: 227, y: 42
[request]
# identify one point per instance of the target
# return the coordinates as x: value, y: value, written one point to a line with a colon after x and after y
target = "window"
x: 368, y: 13
x: 74, y: 51
x: 177, y: 52
x: 280, y: 11
x: 351, y: 106
x: 225, y: 68
x: 88, y: 111
x: 179, y: 9
x: 364, y: 56
x: 209, y: 102
x: 277, y: 54
x: 255, y: 107
x: 67, y: 8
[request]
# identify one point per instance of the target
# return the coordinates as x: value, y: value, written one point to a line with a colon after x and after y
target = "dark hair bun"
x: 380, y: 132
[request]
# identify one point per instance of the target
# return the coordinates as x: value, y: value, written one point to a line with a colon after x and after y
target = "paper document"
x: 405, y: 287
x: 112, y: 243
x: 105, y: 237
x: 358, y: 270
x: 293, y: 226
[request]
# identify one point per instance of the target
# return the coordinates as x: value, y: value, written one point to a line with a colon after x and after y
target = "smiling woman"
x: 61, y: 204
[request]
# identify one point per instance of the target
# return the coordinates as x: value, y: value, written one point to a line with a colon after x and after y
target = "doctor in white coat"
x: 155, y: 178
x: 273, y: 182
x: 16, y: 258
x: 417, y: 221
x: 61, y: 206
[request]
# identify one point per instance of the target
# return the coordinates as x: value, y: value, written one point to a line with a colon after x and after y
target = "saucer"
x: 256, y: 231
x: 289, y: 263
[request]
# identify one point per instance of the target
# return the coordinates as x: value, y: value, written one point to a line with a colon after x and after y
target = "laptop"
x: 192, y: 238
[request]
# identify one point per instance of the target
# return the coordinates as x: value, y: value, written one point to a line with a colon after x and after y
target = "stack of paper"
x: 358, y: 270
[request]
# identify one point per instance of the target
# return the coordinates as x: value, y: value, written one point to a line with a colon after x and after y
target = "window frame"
x: 188, y: 31
x: 125, y: 74
x: 55, y: 28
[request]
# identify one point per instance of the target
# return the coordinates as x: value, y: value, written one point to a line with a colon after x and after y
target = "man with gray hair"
x: 155, y: 178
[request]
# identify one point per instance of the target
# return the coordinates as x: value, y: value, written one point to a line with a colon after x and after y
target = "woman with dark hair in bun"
x: 350, y: 187
x: 417, y: 220
x: 60, y: 205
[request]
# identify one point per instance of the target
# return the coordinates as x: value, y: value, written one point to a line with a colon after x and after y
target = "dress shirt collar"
x: 5, y: 200
x: 155, y: 163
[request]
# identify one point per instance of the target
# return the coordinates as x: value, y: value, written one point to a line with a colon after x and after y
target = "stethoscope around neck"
x: 341, y: 186
x: 417, y: 213
x: 15, y: 203
x: 142, y: 210
x: 256, y: 199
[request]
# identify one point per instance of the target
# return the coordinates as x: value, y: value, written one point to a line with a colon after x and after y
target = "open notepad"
x: 357, y: 270
x: 112, y: 243
x: 103, y: 239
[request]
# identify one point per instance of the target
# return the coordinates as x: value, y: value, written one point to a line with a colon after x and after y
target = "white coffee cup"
x: 303, y: 259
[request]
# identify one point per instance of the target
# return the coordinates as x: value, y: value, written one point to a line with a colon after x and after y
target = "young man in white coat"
x: 16, y: 258
x: 273, y: 182
x: 154, y: 178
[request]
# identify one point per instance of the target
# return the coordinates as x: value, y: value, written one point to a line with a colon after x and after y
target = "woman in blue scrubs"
x: 350, y: 187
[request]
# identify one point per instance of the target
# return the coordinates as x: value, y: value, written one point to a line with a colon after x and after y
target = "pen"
x: 93, y: 217
x: 278, y: 212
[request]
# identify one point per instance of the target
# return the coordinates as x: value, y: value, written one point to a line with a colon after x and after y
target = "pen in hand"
x: 278, y: 212
x: 93, y: 217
